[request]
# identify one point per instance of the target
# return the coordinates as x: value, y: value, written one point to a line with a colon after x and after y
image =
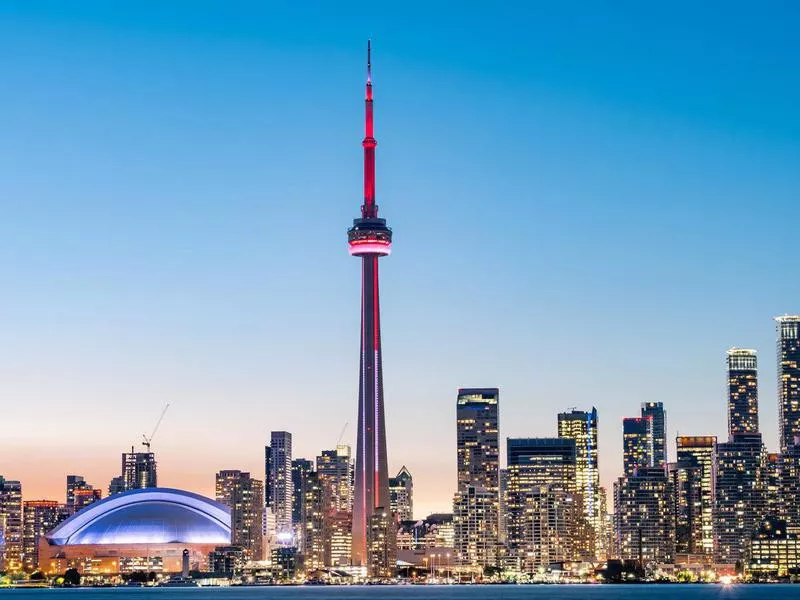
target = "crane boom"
x: 148, y: 440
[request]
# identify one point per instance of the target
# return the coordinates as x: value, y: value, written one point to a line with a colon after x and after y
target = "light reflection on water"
x: 467, y: 592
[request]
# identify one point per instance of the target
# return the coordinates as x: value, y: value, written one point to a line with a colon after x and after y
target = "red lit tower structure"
x: 369, y: 239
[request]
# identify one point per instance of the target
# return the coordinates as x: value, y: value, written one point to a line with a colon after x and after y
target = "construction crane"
x: 147, y: 440
x: 341, y: 435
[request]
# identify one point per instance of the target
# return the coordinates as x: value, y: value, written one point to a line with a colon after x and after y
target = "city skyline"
x: 132, y: 279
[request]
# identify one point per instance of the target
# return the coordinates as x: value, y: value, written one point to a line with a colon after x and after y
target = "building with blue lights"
x: 143, y: 529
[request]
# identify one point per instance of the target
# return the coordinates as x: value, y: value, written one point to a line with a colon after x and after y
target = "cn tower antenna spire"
x: 369, y: 209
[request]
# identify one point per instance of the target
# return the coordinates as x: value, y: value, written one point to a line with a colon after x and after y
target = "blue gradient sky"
x: 591, y: 202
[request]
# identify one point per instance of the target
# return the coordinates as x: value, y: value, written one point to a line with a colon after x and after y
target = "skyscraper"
x: 581, y: 426
x: 369, y: 239
x: 644, y: 516
x: 742, y: 391
x: 245, y: 497
x: 336, y: 471
x: 655, y: 411
x: 11, y: 519
x: 544, y: 513
x: 788, y: 378
x: 279, y: 483
x: 476, y: 504
x: 696, y: 503
x: 401, y: 493
x: 740, y: 494
x: 313, y: 540
x: 301, y: 469
x: 139, y: 470
x: 637, y: 444
x: 477, y: 438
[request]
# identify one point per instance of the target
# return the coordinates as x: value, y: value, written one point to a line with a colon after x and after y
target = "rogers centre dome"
x: 152, y: 524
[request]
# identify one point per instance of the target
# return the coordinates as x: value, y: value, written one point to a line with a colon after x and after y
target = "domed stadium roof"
x: 147, y: 516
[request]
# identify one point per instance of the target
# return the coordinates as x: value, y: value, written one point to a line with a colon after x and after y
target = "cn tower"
x: 369, y: 239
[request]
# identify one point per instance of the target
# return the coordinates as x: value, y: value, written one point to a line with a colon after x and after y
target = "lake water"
x: 428, y: 592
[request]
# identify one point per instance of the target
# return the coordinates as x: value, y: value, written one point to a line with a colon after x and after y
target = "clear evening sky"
x: 591, y: 203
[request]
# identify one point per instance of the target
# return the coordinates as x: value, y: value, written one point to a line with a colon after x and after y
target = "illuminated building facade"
x: 476, y: 505
x: 742, y: 391
x: 477, y: 438
x: 774, y: 551
x: 637, y: 444
x: 85, y: 497
x: 643, y: 517
x: 143, y: 529
x: 11, y: 519
x: 540, y: 493
x: 313, y: 544
x: 338, y: 539
x: 740, y: 494
x: 301, y: 468
x: 658, y: 416
x: 39, y: 517
x: 788, y: 379
x: 278, y: 482
x: 74, y: 482
x: 139, y: 470
x: 370, y: 239
x: 474, y: 517
x: 382, y: 543
x: 786, y: 498
x: 336, y: 470
x: 696, y: 498
x: 581, y: 426
x: 244, y: 495
x: 401, y: 494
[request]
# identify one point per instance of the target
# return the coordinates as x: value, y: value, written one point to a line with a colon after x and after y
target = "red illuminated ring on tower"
x: 367, y: 246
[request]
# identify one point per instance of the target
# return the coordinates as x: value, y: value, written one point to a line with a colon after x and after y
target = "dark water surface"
x: 426, y: 592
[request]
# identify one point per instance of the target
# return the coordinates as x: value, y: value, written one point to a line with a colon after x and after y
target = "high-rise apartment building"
x: 741, y: 494
x: 336, y: 471
x: 11, y: 519
x: 637, y: 444
x: 301, y: 469
x: 313, y: 521
x: 696, y: 495
x: 656, y: 413
x: 644, y: 517
x: 39, y: 517
x: 401, y: 494
x: 742, y: 391
x: 476, y: 503
x: 477, y: 438
x: 788, y: 379
x: 139, y: 470
x: 581, y: 426
x: 245, y: 497
x: 475, y: 518
x: 543, y: 511
x: 279, y: 486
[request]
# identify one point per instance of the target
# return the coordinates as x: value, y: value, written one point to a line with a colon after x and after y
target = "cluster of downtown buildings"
x: 722, y: 506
